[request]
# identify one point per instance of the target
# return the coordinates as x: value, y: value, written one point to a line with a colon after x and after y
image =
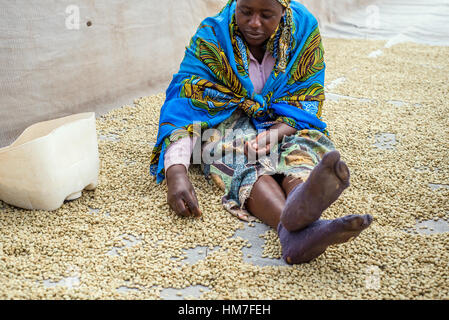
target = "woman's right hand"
x: 181, y: 196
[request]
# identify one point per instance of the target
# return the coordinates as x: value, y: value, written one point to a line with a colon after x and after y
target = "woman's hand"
x: 260, y: 146
x: 181, y: 196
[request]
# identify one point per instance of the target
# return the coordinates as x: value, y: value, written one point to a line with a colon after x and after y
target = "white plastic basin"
x: 50, y: 162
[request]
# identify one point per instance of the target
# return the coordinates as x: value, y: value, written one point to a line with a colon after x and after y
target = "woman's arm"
x: 283, y: 130
x: 179, y: 152
x: 181, y: 196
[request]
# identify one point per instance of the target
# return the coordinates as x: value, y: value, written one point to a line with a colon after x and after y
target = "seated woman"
x: 257, y: 66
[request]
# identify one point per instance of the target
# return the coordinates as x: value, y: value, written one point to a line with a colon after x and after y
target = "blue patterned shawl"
x: 213, y: 81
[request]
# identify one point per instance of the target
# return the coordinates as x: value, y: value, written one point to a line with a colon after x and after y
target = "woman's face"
x: 258, y: 19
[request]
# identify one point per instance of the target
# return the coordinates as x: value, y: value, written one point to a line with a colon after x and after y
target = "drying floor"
x: 387, y: 112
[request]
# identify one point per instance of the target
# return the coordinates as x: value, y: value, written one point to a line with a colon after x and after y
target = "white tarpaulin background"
x: 63, y: 57
x: 421, y: 21
x: 48, y: 69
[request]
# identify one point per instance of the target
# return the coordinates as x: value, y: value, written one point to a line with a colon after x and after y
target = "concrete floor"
x: 253, y: 254
x: 395, y: 25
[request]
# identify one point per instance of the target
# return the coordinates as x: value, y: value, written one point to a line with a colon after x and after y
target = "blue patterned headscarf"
x: 213, y: 80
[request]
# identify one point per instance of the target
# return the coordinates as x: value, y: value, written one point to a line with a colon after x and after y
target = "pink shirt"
x: 180, y: 151
x: 259, y: 72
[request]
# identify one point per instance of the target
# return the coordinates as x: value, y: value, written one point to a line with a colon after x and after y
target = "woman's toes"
x: 353, y: 222
x: 330, y: 158
x: 342, y: 171
x: 368, y: 219
x: 357, y: 223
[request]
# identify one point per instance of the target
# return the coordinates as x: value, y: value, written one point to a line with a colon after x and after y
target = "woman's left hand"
x: 260, y: 146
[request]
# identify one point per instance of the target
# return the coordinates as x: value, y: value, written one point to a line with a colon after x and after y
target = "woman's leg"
x: 266, y: 201
x: 295, y: 203
x: 307, y: 201
x: 307, y: 244
x: 288, y: 183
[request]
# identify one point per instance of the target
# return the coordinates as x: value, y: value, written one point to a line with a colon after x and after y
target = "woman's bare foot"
x: 307, y: 201
x: 307, y: 244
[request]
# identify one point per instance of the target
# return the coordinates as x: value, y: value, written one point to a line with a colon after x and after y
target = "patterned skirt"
x: 230, y: 169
